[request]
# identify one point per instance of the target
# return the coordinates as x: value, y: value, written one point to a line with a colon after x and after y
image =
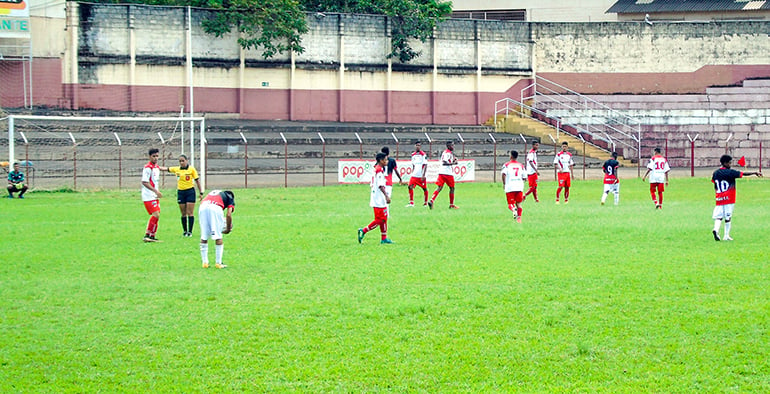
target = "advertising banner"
x: 361, y: 171
x: 14, y: 19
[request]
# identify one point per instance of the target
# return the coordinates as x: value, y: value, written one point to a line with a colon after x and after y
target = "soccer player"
x: 658, y: 170
x: 724, y: 186
x: 446, y: 175
x: 215, y: 215
x: 151, y: 194
x: 514, y: 174
x: 16, y: 182
x: 419, y: 172
x: 611, y: 181
x: 185, y: 194
x: 532, y: 172
x: 379, y: 200
x: 563, y: 163
x: 392, y: 168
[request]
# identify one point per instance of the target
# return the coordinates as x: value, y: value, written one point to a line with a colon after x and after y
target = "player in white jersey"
x: 563, y: 163
x: 446, y: 175
x: 151, y: 194
x: 419, y: 171
x: 532, y: 172
x: 658, y: 170
x: 378, y: 200
x: 513, y: 175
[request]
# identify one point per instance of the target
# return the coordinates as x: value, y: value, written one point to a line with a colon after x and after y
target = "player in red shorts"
x: 658, y: 170
x: 513, y: 175
x: 446, y: 175
x: 724, y: 186
x: 419, y: 170
x: 151, y: 194
x: 563, y: 163
x: 532, y: 172
x: 379, y: 201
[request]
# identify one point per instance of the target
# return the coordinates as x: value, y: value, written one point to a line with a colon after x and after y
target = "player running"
x: 724, y: 186
x: 611, y: 181
x: 379, y: 201
x: 446, y: 175
x: 658, y: 169
x: 215, y: 215
x: 532, y: 172
x: 563, y: 163
x: 419, y: 172
x: 513, y: 177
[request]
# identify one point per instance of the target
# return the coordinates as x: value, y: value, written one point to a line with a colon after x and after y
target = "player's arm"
x: 200, y: 189
x: 756, y: 173
x: 645, y: 174
x: 425, y: 170
x: 382, y: 189
x: 503, y: 179
x: 228, y: 220
x: 149, y: 186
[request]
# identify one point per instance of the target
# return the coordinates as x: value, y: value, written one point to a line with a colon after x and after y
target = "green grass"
x: 577, y: 298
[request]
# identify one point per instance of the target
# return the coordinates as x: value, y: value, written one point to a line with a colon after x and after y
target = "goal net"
x: 59, y: 152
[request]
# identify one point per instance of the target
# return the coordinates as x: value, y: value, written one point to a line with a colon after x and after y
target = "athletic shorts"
x: 389, y: 190
x: 564, y: 179
x: 417, y: 182
x: 659, y: 187
x: 381, y: 214
x: 152, y: 206
x: 449, y: 180
x: 514, y: 197
x: 185, y: 196
x: 612, y: 187
x: 723, y: 212
x: 211, y: 220
x: 532, y: 180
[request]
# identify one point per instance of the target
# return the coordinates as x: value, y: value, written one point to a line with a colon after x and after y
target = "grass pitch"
x: 577, y: 298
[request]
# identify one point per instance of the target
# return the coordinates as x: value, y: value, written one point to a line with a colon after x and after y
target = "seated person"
x: 16, y: 182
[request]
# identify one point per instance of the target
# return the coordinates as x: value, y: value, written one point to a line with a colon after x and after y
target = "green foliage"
x: 577, y: 298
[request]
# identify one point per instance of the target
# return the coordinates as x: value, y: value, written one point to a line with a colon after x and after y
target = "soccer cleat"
x: 410, y: 205
x: 727, y: 238
x: 425, y: 204
x: 602, y: 202
x: 220, y: 266
x: 658, y: 206
x: 361, y: 234
x: 205, y: 265
x: 22, y: 197
x: 566, y: 201
x: 150, y: 238
x: 430, y: 204
x: 518, y: 219
x: 9, y: 196
x: 454, y: 207
x: 387, y: 241
x: 557, y: 202
x: 536, y: 200
x: 716, y: 235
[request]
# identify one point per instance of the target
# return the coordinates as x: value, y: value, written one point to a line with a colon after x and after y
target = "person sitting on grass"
x: 16, y: 182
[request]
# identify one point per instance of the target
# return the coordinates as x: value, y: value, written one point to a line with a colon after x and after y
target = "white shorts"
x: 612, y: 188
x: 211, y: 219
x: 723, y: 212
x: 389, y: 191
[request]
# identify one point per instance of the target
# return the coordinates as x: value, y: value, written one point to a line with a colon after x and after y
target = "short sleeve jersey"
x: 610, y: 168
x: 392, y: 166
x: 151, y: 174
x: 220, y: 199
x: 658, y: 167
x: 447, y: 169
x: 418, y: 160
x: 185, y: 176
x: 15, y: 177
x: 515, y: 174
x: 724, y: 185
x: 531, y: 162
x: 377, y: 198
x: 563, y: 161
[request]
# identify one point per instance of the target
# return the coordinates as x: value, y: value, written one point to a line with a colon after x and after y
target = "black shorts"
x: 185, y: 196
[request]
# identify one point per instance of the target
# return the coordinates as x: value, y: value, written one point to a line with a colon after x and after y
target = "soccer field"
x: 577, y: 298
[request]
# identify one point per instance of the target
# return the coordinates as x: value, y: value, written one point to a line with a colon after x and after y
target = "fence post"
x: 692, y: 154
x: 727, y: 141
x: 74, y: 162
x: 463, y: 141
x: 245, y: 161
x: 163, y: 159
x: 555, y: 146
x: 430, y: 144
x: 286, y: 161
x: 26, y: 156
x: 323, y: 159
x: 397, y: 143
x: 120, y: 162
x: 760, y: 156
x: 584, y: 155
x: 494, y: 160
x: 360, y: 147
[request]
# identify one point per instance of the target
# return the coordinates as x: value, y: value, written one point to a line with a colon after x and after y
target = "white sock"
x: 205, y: 253
x: 220, y: 250
x: 617, y: 198
x: 604, y: 197
x: 727, y: 229
x: 717, y: 224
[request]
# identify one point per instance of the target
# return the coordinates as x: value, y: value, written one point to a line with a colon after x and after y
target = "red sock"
x: 660, y: 198
x: 152, y: 226
x: 558, y: 191
x: 373, y: 225
x: 652, y: 194
x: 411, y: 196
x: 566, y: 193
x: 518, y: 211
x: 383, y: 229
x: 435, y: 194
x: 425, y: 193
x: 451, y: 198
x: 534, y: 192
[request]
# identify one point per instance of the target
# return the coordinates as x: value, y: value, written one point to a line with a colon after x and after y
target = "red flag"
x: 742, y: 161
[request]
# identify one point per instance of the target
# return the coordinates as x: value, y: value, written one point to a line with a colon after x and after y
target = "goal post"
x: 92, y: 150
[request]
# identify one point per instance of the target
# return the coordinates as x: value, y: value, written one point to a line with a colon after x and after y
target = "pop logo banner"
x: 361, y: 171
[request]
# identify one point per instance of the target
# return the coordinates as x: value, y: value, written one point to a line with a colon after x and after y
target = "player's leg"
x: 205, y: 224
x: 616, y: 190
x: 728, y: 213
x: 411, y: 194
x: 653, y: 190
x: 566, y: 194
x: 440, y: 185
x: 153, y: 208
x: 424, y: 191
x: 23, y: 190
x: 560, y: 186
x: 183, y: 212
x: 717, y: 215
x: 567, y: 185
x: 660, y: 194
x: 219, y: 252
x: 190, y: 216
x: 605, y: 193
x: 11, y: 189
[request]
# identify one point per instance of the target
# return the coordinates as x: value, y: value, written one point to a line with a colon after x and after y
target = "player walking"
x: 563, y: 163
x: 378, y: 200
x: 658, y: 170
x: 611, y: 181
x: 215, y: 215
x: 532, y: 172
x: 724, y: 186
x: 419, y: 171
x: 513, y: 177
x: 446, y: 175
x: 151, y: 194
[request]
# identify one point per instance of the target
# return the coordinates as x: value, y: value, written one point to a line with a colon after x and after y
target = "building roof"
x: 652, y: 6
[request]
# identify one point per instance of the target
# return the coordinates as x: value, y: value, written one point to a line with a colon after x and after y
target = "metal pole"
x: 74, y: 162
x: 494, y: 160
x: 760, y: 156
x: 430, y: 144
x: 360, y: 147
x: 163, y: 158
x: 285, y: 161
x: 120, y: 162
x: 554, y: 153
x: 397, y: 143
x: 26, y: 155
x: 245, y: 162
x: 323, y: 159
x: 692, y: 159
x: 463, y: 141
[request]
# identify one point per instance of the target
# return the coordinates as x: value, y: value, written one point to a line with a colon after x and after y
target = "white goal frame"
x: 201, y: 138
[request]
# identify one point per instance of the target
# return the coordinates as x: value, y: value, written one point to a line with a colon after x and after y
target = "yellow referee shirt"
x: 185, y: 176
